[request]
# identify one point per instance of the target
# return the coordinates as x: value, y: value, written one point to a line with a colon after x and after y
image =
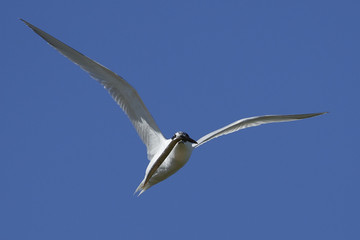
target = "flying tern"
x: 166, y: 156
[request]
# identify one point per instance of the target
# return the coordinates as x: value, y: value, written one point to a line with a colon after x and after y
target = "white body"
x: 177, y: 158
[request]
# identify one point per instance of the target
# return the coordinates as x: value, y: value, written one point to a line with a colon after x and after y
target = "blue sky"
x: 70, y: 159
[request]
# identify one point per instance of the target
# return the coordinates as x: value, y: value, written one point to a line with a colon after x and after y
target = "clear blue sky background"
x: 70, y: 160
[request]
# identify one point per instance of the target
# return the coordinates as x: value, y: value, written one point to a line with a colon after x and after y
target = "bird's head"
x: 183, y: 136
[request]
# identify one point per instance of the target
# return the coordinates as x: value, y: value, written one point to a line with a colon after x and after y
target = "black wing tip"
x: 28, y: 24
x: 310, y: 115
x: 321, y: 113
x: 24, y: 21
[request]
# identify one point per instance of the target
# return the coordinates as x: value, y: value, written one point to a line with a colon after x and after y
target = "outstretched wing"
x: 252, y: 122
x: 121, y: 91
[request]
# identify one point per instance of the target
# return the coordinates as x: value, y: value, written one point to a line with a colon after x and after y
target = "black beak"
x: 190, y: 140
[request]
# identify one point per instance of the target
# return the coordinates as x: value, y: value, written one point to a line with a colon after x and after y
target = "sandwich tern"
x: 166, y: 156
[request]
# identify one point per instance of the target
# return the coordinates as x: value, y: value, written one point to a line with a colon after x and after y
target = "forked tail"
x: 141, y: 188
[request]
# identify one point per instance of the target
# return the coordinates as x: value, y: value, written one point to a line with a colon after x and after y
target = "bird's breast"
x: 180, y: 154
x: 176, y: 160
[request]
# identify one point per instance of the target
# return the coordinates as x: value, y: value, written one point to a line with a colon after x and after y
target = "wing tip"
x: 26, y: 22
x: 317, y: 114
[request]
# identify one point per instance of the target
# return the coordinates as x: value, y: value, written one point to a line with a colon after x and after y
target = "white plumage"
x: 166, y: 156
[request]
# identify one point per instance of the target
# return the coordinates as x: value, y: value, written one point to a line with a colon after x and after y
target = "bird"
x: 166, y: 156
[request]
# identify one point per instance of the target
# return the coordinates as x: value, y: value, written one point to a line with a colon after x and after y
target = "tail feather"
x: 142, y: 188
